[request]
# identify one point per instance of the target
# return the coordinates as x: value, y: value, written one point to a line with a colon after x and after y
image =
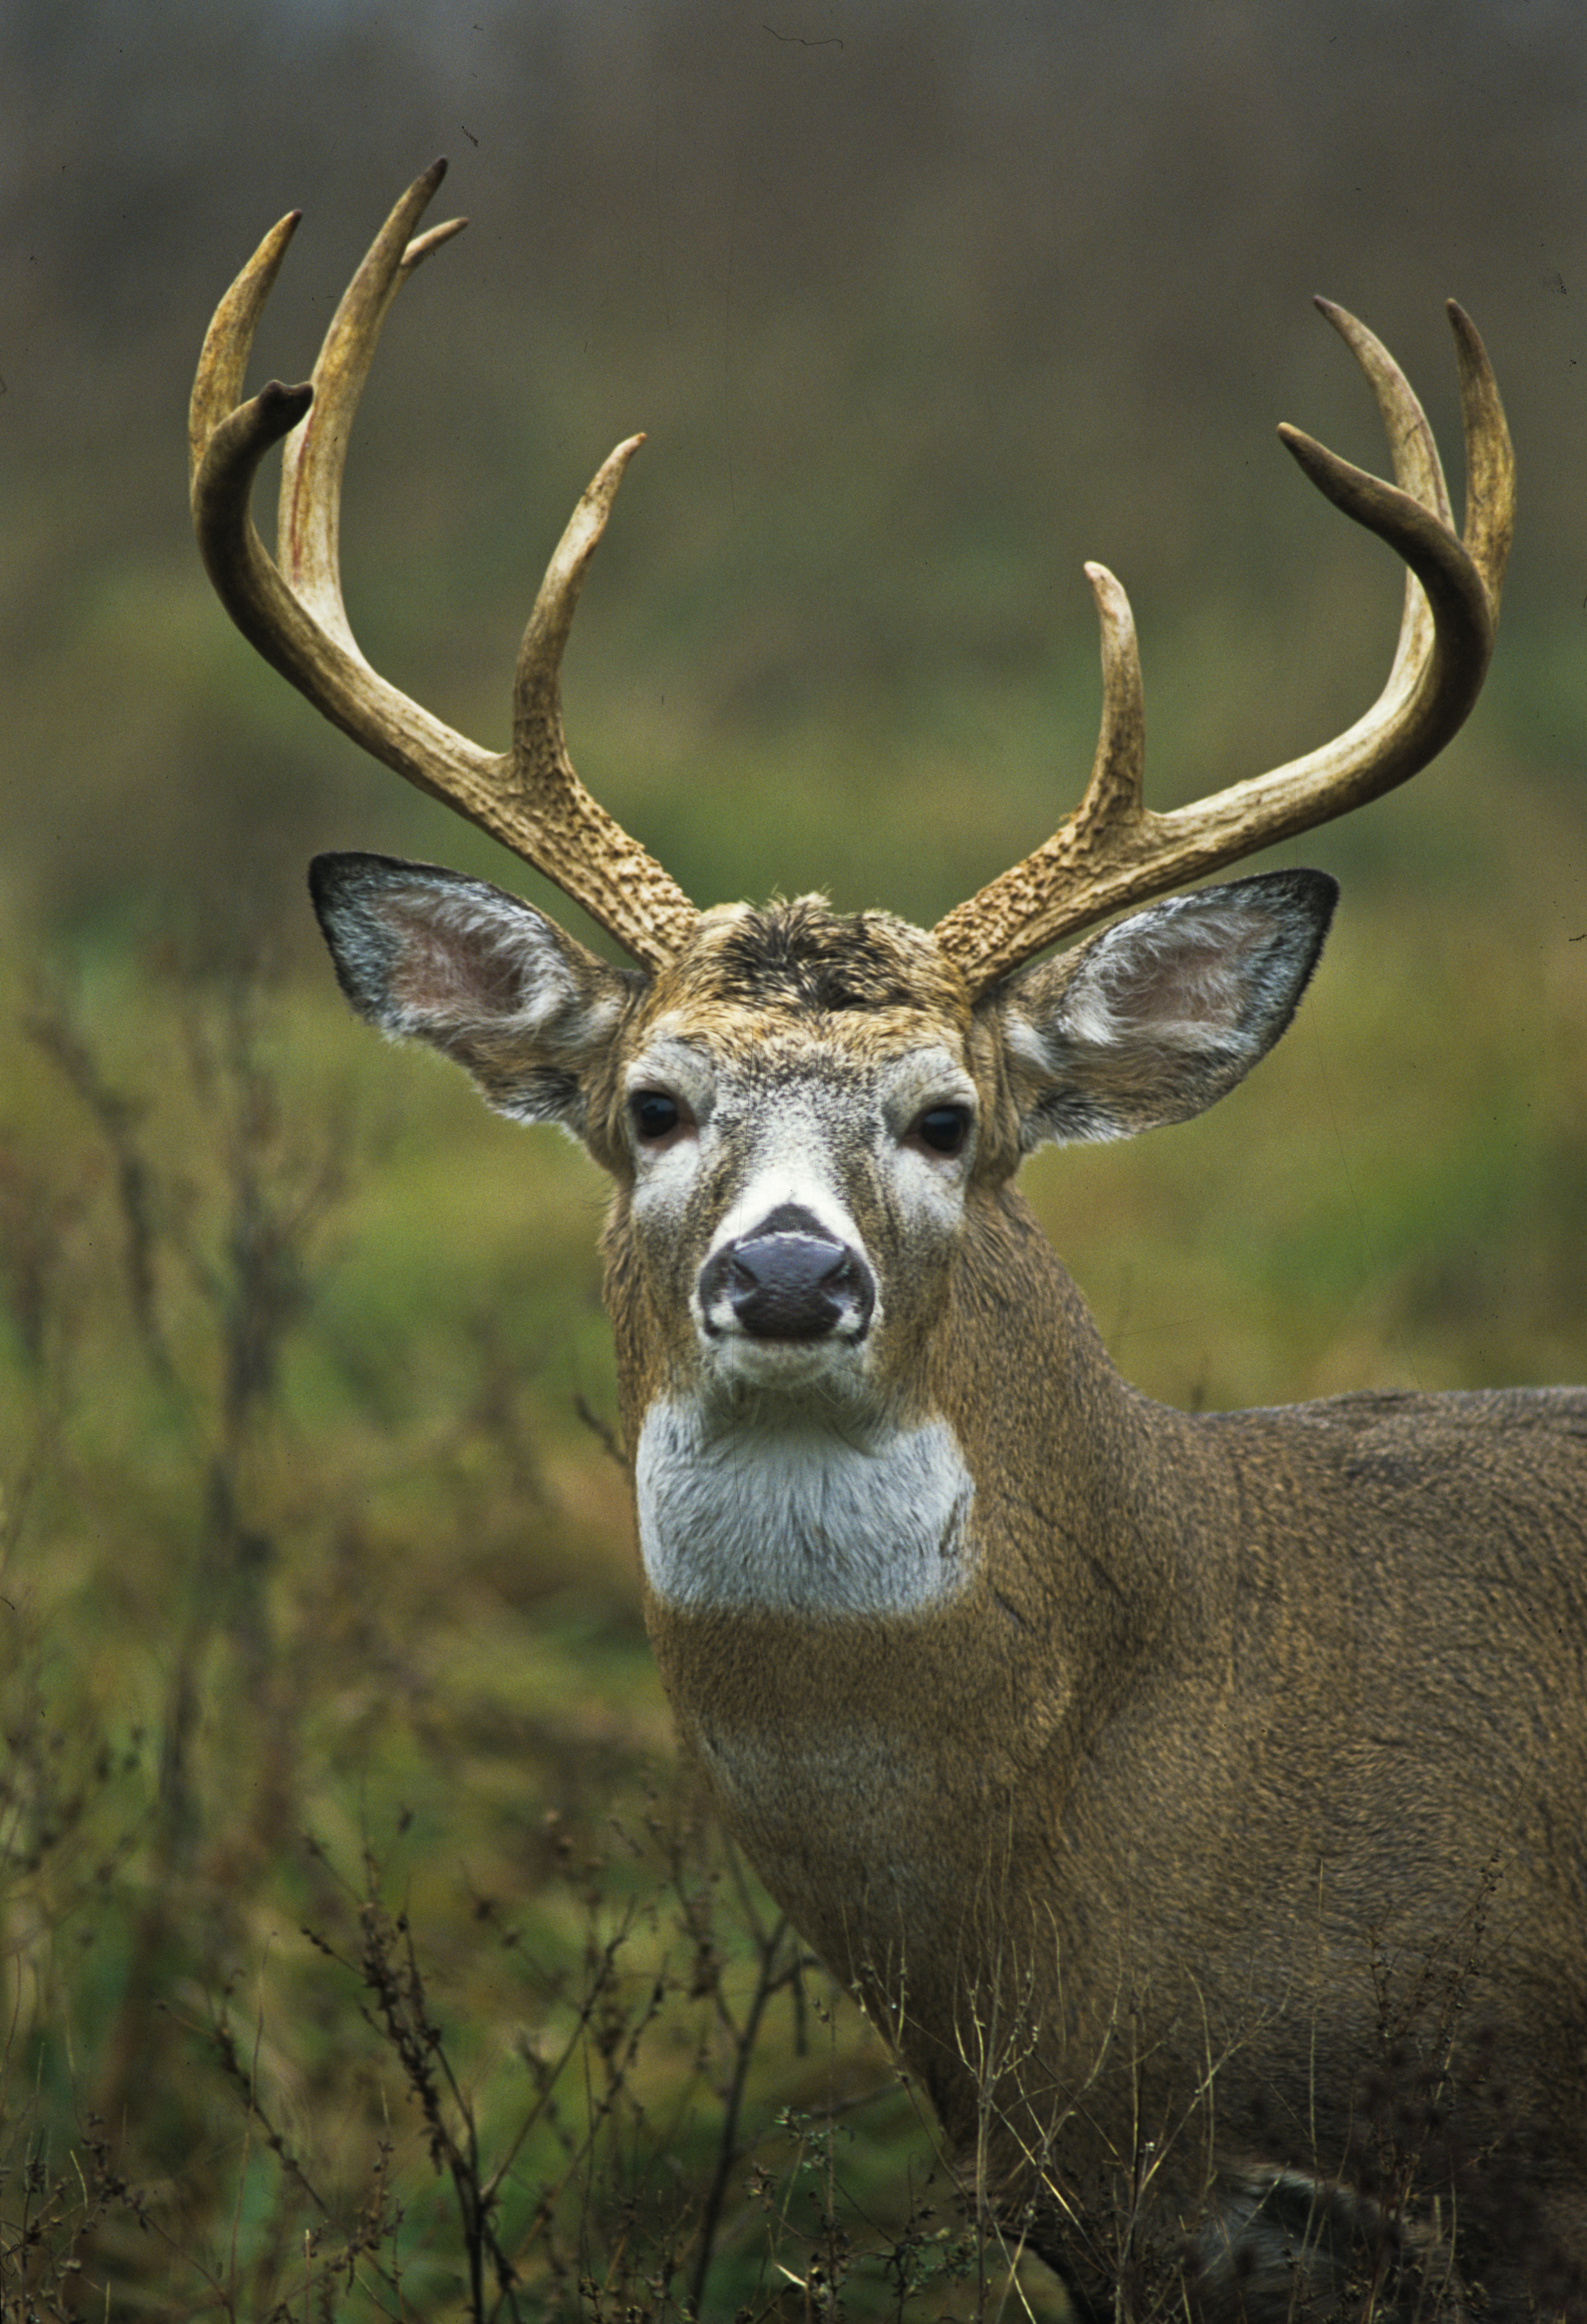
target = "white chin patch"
x: 733, y: 1362
x: 786, y: 1514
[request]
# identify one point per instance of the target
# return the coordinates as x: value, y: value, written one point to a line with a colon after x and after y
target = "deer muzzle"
x: 788, y: 1278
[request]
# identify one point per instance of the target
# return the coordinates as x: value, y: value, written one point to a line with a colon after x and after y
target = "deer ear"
x: 1158, y: 1017
x: 428, y: 955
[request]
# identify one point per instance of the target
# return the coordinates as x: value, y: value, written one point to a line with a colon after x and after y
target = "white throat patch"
x: 787, y: 1516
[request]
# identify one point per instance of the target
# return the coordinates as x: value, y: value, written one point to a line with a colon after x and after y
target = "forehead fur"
x: 806, y: 959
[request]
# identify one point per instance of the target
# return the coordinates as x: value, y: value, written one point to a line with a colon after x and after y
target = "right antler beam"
x: 529, y: 798
x: 1115, y: 851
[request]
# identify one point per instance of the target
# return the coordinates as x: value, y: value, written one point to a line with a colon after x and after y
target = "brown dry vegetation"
x: 364, y: 1953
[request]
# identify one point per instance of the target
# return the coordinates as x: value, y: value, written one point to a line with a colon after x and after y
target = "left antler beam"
x: 291, y: 609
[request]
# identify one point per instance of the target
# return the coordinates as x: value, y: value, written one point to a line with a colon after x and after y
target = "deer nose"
x: 790, y: 1279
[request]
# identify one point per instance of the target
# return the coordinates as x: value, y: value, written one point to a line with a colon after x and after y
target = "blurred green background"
x: 308, y: 1523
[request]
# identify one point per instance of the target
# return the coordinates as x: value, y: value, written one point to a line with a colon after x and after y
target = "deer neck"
x: 870, y: 1630
x: 1014, y: 1425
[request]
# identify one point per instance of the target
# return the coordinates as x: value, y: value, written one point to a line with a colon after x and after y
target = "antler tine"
x: 538, y: 738
x: 529, y: 798
x: 1118, y: 773
x: 308, y: 522
x: 1108, y: 815
x: 1417, y: 468
x: 1113, y: 851
x: 218, y: 385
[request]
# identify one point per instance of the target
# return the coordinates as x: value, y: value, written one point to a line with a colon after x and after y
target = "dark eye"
x: 943, y: 1128
x: 655, y: 1115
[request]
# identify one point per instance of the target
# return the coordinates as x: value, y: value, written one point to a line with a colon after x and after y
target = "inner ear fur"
x: 1161, y: 1015
x: 432, y: 956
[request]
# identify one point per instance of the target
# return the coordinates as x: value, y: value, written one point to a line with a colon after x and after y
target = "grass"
x: 366, y: 1955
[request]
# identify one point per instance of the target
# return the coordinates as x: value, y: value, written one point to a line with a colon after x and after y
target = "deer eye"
x: 655, y: 1116
x: 943, y: 1128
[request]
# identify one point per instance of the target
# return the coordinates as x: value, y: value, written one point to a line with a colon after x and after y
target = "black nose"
x: 789, y: 1280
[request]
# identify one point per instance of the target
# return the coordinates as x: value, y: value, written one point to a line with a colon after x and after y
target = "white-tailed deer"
x: 1199, y: 1804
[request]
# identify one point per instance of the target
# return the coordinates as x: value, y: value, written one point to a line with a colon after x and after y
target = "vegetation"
x: 365, y: 1955
x: 364, y: 1952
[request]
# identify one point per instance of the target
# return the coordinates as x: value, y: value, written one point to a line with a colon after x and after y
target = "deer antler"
x: 1113, y: 849
x: 529, y: 798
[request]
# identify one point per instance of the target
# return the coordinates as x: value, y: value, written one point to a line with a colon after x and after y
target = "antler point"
x: 276, y: 392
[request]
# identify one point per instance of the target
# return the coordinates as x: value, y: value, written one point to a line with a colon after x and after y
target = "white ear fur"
x: 1159, y: 1016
